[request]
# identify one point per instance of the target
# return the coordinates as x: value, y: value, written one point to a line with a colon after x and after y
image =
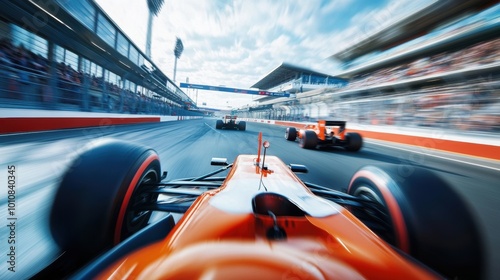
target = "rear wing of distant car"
x: 334, y: 123
x: 322, y: 124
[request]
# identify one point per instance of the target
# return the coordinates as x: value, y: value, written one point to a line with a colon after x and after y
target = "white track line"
x: 441, y: 157
x: 216, y: 130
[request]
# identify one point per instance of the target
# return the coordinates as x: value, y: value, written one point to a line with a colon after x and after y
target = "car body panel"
x: 223, y: 235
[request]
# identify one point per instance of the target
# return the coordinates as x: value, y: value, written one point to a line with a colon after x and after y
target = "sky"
x: 237, y: 43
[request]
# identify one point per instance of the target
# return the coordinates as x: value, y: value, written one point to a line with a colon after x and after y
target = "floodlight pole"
x: 179, y: 48
x: 175, y: 67
x: 148, y: 36
x: 154, y: 7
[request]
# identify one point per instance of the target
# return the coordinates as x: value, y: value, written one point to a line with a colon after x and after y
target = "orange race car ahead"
x: 325, y: 134
x: 260, y: 221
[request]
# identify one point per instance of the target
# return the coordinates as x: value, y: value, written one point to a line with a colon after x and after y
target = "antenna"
x: 266, y: 145
x: 258, y: 151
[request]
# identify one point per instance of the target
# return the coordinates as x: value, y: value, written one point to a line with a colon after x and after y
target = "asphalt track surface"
x: 186, y: 148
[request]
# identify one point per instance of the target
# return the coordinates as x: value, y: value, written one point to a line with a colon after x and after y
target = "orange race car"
x: 325, y: 134
x: 259, y: 221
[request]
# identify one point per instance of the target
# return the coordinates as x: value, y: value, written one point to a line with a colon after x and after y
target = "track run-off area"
x: 186, y: 148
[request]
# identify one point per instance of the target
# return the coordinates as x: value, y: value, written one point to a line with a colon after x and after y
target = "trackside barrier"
x: 485, y: 147
x: 29, y: 120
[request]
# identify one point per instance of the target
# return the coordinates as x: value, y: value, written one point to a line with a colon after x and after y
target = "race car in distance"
x: 229, y: 122
x: 261, y: 220
x: 323, y: 134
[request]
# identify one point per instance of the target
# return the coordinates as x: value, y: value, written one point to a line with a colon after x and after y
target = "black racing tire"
x: 425, y: 218
x: 219, y: 124
x: 290, y: 133
x: 242, y: 125
x: 354, y: 141
x: 309, y: 140
x: 92, y: 207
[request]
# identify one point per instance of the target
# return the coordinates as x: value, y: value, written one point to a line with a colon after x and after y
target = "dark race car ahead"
x: 229, y: 122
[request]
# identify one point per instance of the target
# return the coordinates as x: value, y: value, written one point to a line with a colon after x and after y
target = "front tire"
x: 93, y: 207
x: 423, y: 217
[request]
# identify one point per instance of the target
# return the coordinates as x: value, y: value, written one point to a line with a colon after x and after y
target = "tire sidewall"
x: 309, y: 140
x: 441, y: 231
x: 242, y: 125
x: 219, y: 124
x: 290, y: 134
x: 354, y: 141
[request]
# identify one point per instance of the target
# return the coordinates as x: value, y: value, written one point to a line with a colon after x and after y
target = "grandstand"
x: 70, y: 55
x: 446, y: 78
x: 294, y: 79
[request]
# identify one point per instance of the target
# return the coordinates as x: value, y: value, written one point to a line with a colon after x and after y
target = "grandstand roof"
x: 411, y: 27
x: 283, y: 73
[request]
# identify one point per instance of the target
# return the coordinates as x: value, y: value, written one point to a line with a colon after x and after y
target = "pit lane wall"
x: 478, y: 145
x: 29, y: 120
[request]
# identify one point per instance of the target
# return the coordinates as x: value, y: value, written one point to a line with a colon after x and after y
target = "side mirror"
x: 219, y: 162
x: 298, y: 168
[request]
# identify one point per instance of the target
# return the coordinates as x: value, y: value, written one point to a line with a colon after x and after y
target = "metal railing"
x: 24, y: 87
